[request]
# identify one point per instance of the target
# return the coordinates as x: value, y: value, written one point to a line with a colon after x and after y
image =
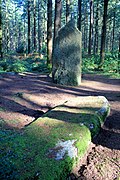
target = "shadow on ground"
x: 43, y: 95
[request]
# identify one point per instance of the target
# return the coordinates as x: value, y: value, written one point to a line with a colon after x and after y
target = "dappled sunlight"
x: 27, y: 93
x: 23, y: 103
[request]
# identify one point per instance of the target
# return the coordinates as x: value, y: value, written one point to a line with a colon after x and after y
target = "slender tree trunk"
x: 28, y: 26
x: 49, y: 32
x: 16, y: 29
x: 11, y: 33
x: 119, y: 48
x: 1, y: 54
x: 24, y: 40
x: 96, y: 30
x: 44, y: 27
x: 19, y: 35
x: 7, y: 28
x: 91, y: 27
x: 103, y: 35
x: 7, y: 35
x: 79, y: 14
x: 108, y: 36
x: 85, y: 27
x: 35, y: 45
x: 39, y: 28
x: 113, y: 33
x: 57, y: 20
x: 67, y: 10
x: 119, y: 55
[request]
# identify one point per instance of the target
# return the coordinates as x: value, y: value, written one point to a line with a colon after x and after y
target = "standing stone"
x: 67, y: 56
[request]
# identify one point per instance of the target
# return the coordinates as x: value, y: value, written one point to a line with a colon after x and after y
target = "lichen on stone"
x: 63, y: 148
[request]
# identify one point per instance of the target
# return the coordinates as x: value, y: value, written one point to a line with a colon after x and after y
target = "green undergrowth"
x: 28, y: 64
x: 111, y: 66
x: 33, y: 63
x: 25, y: 153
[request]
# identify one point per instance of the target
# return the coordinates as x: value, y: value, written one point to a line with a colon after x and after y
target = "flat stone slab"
x: 53, y: 145
x: 66, y: 132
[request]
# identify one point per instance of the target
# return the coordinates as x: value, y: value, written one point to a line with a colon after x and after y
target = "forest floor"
x: 25, y: 97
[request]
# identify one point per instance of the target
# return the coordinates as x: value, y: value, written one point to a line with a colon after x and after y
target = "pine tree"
x: 57, y: 19
x: 67, y: 10
x: 1, y: 54
x: 103, y: 35
x: 90, y: 28
x: 79, y: 14
x: 49, y: 32
x: 28, y: 9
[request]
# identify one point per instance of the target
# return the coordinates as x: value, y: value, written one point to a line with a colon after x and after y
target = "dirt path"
x: 25, y: 97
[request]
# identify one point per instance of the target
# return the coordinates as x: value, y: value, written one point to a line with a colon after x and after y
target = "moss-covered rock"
x: 51, y: 147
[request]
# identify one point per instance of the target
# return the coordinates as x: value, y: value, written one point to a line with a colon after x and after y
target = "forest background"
x: 28, y: 28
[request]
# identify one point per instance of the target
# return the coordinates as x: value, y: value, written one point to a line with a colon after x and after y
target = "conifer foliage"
x: 30, y: 26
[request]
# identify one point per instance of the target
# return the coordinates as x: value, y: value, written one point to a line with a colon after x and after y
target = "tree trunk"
x: 24, y: 37
x: 19, y: 35
x: 6, y: 28
x: 119, y: 55
x: 103, y: 36
x: 67, y: 10
x: 7, y: 36
x: 1, y: 54
x: 96, y: 30
x: 85, y: 40
x: 28, y: 26
x: 16, y: 29
x: 79, y: 14
x: 119, y: 48
x: 35, y: 45
x: 57, y: 20
x: 91, y: 27
x: 49, y: 32
x: 113, y: 33
x: 39, y: 28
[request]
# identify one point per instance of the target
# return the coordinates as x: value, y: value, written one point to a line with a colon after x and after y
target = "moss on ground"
x: 24, y: 155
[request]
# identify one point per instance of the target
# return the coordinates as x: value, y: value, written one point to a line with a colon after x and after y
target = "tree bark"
x: 119, y: 48
x: 91, y: 27
x: 39, y: 28
x: 1, y: 54
x: 96, y: 30
x: 49, y: 32
x: 119, y: 55
x: 85, y: 36
x: 103, y: 35
x: 79, y: 14
x: 35, y: 45
x: 113, y: 33
x: 57, y: 20
x: 6, y: 28
x: 28, y: 26
x: 67, y: 10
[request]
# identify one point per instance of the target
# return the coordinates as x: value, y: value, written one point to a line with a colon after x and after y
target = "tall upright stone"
x: 67, y: 56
